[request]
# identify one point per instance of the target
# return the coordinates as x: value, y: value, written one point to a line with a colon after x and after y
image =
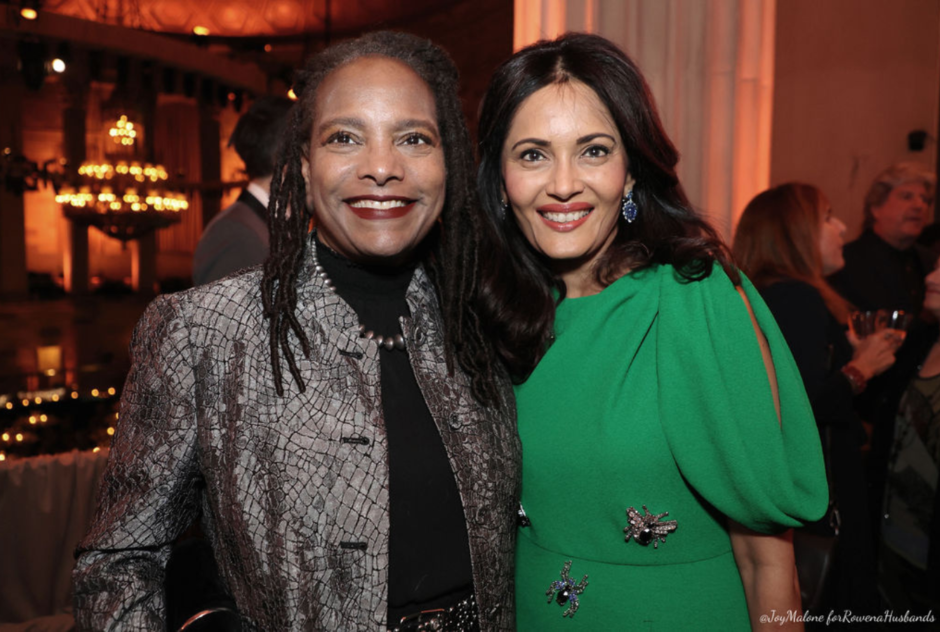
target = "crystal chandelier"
x: 124, y: 199
x: 122, y: 131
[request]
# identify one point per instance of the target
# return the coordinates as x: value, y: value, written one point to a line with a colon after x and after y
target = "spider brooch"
x: 567, y: 590
x: 648, y: 528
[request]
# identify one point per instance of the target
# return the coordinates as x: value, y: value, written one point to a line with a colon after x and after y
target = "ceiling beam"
x: 141, y: 44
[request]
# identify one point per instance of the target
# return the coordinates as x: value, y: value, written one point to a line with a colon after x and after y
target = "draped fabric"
x: 710, y: 66
x: 47, y: 503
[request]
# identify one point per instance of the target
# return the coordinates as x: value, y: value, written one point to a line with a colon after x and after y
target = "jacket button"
x: 355, y: 546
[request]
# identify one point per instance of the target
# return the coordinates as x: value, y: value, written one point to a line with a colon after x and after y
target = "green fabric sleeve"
x: 717, y: 408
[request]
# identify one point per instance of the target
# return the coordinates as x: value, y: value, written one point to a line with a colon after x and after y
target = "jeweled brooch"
x: 648, y: 528
x: 521, y: 519
x: 567, y: 590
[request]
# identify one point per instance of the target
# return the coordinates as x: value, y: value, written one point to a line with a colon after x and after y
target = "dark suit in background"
x: 878, y: 276
x: 236, y: 238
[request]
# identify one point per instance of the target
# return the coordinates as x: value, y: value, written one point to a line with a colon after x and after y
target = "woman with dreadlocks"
x: 374, y: 482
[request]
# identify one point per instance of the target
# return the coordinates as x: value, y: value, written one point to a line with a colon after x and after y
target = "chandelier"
x: 123, y: 200
x: 122, y: 197
x: 122, y: 131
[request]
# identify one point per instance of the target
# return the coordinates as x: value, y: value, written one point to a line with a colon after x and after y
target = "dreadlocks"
x: 451, y: 252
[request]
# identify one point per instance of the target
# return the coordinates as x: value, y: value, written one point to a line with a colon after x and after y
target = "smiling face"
x: 902, y: 216
x: 375, y: 169
x: 565, y: 171
x: 831, y: 234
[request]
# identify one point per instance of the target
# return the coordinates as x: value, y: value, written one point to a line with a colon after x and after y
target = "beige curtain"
x: 709, y: 64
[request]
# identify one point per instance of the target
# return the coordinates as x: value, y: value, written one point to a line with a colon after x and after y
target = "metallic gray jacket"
x: 293, y: 490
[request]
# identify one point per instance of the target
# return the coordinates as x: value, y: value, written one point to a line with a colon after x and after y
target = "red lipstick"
x: 564, y: 227
x: 381, y: 209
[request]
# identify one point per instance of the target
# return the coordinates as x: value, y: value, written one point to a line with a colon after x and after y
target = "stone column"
x: 144, y: 249
x: 210, y: 155
x: 13, y: 279
x: 144, y: 263
x: 75, y: 263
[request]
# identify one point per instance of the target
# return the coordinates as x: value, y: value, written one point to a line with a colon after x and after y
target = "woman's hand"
x: 768, y: 572
x: 875, y: 354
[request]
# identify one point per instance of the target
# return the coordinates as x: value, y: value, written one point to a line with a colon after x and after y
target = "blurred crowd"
x: 861, y: 322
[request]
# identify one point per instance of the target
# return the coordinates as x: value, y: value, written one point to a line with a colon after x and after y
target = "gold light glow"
x: 127, y: 198
x: 200, y: 30
x: 123, y: 132
x: 28, y: 14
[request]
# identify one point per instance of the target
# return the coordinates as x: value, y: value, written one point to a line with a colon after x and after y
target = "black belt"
x: 461, y: 617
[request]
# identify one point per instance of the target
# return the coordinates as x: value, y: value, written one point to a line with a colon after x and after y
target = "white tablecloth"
x: 46, y: 505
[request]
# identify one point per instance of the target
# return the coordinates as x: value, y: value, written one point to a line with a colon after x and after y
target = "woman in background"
x: 787, y: 241
x: 654, y: 460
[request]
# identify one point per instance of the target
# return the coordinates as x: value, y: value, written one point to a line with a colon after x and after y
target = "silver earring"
x: 628, y: 207
x: 503, y: 210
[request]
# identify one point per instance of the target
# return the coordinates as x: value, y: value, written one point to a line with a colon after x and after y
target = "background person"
x: 237, y: 237
x: 787, y: 241
x: 367, y: 482
x: 885, y: 269
x: 652, y: 443
x: 910, y: 535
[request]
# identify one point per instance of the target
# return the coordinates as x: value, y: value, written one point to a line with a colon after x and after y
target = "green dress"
x: 655, y: 393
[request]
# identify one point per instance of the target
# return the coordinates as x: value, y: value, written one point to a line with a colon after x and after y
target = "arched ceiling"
x: 249, y: 18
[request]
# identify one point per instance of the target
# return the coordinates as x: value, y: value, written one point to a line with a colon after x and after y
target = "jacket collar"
x: 319, y: 304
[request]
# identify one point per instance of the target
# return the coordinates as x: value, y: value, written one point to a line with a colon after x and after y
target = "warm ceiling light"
x: 28, y: 14
x: 291, y: 95
x: 200, y: 30
x: 268, y: 48
x: 58, y: 65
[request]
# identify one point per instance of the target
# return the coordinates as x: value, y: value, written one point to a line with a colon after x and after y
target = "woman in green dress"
x: 668, y: 444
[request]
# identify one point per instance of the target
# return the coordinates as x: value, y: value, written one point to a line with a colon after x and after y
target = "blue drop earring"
x: 628, y: 207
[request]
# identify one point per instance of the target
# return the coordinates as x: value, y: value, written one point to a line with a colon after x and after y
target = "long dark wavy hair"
x: 516, y: 290
x: 450, y: 250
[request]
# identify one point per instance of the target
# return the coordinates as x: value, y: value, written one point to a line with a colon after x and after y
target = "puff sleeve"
x: 721, y: 425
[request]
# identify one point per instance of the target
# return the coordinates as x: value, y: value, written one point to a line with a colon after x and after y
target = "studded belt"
x: 461, y: 617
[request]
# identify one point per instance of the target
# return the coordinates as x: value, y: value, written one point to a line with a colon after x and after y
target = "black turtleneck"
x: 429, y: 552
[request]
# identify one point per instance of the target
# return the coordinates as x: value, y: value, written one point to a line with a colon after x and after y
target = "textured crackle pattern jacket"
x: 293, y: 490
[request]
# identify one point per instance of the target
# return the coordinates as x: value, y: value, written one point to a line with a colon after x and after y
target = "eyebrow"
x: 357, y: 123
x: 343, y: 121
x: 538, y: 142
